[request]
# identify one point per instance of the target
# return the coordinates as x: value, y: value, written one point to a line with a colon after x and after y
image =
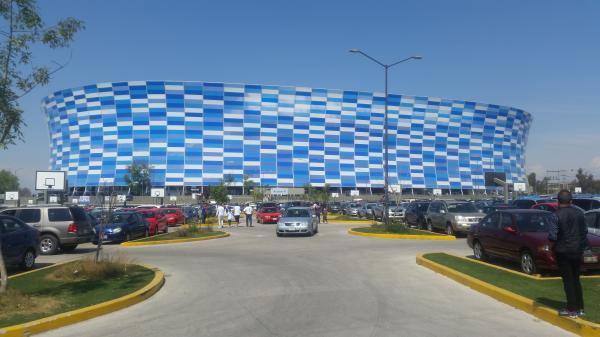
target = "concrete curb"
x: 165, y: 242
x: 350, y: 222
x: 404, y: 236
x: 577, y: 325
x: 75, y: 316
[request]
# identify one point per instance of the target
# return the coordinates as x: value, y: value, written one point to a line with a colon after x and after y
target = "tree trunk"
x: 3, y: 276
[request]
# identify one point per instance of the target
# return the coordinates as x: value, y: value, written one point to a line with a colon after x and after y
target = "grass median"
x: 188, y: 232
x: 394, y: 228
x: 547, y: 292
x: 68, y: 287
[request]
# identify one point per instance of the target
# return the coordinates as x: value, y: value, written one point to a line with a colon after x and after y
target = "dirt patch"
x: 13, y: 303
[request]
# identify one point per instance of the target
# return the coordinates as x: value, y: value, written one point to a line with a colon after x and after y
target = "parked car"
x: 522, y: 236
x: 156, y: 221
x: 547, y: 206
x: 366, y: 210
x: 123, y: 226
x: 298, y: 220
x: 174, y: 216
x: 592, y: 220
x: 60, y: 227
x: 415, y: 213
x: 394, y: 211
x: 528, y: 203
x: 587, y: 203
x: 20, y: 242
x: 453, y: 217
x: 495, y: 207
x: 334, y: 207
x: 268, y: 215
x: 351, y: 209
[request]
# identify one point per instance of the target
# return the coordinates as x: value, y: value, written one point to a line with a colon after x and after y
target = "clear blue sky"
x: 541, y: 56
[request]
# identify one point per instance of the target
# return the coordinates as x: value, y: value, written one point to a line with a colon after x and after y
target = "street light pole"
x: 386, y: 194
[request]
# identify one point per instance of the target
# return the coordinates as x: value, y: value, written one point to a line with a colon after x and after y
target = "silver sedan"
x: 298, y: 220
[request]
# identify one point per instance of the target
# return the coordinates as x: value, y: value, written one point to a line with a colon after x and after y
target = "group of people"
x: 232, y: 213
x: 320, y: 211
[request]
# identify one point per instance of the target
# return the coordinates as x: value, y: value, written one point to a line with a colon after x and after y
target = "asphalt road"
x: 333, y: 284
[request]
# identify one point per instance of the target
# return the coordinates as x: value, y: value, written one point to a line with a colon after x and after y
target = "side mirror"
x: 442, y: 211
x: 510, y: 229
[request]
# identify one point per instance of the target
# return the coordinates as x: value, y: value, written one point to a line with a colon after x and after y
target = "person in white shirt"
x: 220, y: 215
x: 248, y: 212
x: 229, y: 216
x: 237, y: 210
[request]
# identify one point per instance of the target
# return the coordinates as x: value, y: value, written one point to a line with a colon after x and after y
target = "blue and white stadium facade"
x: 195, y: 133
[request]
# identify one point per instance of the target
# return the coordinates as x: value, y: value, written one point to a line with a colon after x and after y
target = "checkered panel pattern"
x: 194, y: 133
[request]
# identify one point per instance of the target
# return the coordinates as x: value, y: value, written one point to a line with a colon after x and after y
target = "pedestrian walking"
x: 237, y: 211
x: 569, y: 234
x: 248, y: 212
x: 318, y: 212
x: 229, y: 216
x: 324, y: 213
x: 220, y: 215
x: 203, y: 212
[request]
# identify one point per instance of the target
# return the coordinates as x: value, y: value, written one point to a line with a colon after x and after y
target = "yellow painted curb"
x: 404, y: 236
x: 575, y: 325
x: 164, y: 242
x: 75, y: 316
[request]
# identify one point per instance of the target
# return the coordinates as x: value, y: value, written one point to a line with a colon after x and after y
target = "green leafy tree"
x: 8, y: 181
x: 325, y: 194
x: 247, y: 185
x: 138, y: 178
x: 23, y: 31
x: 532, y: 181
x: 587, y: 182
x: 258, y: 194
x: 219, y: 193
x: 24, y: 192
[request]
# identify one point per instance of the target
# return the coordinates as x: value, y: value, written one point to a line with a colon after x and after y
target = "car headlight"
x: 544, y: 248
x: 460, y: 218
x: 117, y: 230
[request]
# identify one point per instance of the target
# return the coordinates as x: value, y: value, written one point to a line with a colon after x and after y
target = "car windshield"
x: 422, y: 207
x: 533, y: 222
x: 354, y: 205
x: 462, y: 208
x: 269, y: 210
x: 297, y: 213
x: 119, y: 217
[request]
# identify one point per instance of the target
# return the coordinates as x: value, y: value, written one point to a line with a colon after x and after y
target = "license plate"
x: 590, y: 259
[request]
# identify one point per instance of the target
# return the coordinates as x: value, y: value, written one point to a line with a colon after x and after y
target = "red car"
x: 156, y: 221
x: 268, y: 215
x: 547, y: 206
x: 522, y: 236
x: 174, y: 216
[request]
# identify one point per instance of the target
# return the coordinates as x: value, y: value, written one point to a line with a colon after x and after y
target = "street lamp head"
x: 417, y: 57
x: 354, y: 51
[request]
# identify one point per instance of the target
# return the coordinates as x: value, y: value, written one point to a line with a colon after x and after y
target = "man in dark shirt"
x: 569, y: 235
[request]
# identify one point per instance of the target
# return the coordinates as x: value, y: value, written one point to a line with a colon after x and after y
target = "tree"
x: 24, y: 192
x: 138, y: 179
x: 24, y: 30
x: 587, y: 182
x: 219, y: 193
x: 247, y: 185
x: 532, y: 180
x: 8, y: 181
x: 324, y: 195
x: 258, y: 194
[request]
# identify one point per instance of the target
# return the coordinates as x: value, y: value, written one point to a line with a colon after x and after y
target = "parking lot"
x: 332, y: 284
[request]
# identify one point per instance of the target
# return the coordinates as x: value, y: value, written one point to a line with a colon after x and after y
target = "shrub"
x: 88, y: 269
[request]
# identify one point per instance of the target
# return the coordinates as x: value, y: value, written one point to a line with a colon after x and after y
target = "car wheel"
x: 279, y: 235
x: 127, y: 237
x: 146, y: 233
x: 68, y: 248
x: 478, y: 251
x: 449, y: 230
x: 155, y: 230
x: 527, y: 263
x: 429, y: 226
x: 28, y: 260
x: 317, y: 230
x: 48, y: 244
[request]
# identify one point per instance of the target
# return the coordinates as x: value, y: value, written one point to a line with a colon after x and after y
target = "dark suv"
x: 415, y: 213
x: 60, y: 227
x: 20, y: 242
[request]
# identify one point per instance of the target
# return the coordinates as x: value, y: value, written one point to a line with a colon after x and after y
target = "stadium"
x: 192, y: 134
